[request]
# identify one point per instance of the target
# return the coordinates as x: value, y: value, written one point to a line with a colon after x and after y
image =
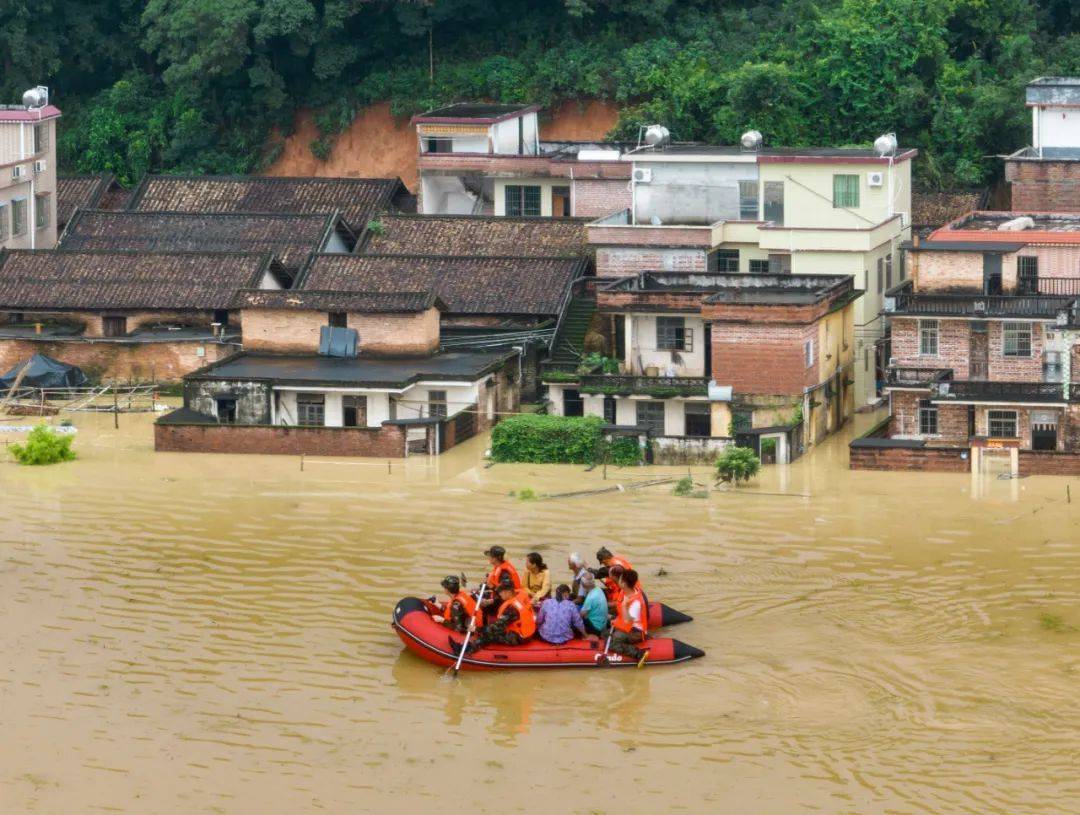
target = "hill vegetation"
x: 197, y: 85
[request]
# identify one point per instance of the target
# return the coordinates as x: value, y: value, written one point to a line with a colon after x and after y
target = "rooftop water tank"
x: 657, y: 136
x: 751, y: 140
x: 36, y: 97
x: 886, y: 145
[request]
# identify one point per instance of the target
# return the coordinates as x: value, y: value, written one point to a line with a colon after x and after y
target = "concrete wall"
x: 691, y: 193
x: 1058, y: 127
x: 808, y: 194
x: 641, y: 350
x: 545, y: 184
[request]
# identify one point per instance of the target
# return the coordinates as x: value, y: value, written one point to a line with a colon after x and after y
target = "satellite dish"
x: 751, y: 140
x: 657, y: 136
x: 885, y: 145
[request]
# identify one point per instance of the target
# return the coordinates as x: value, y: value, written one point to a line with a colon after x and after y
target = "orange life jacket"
x: 506, y: 567
x: 624, y: 623
x: 467, y: 603
x: 617, y: 560
x: 611, y: 585
x: 525, y: 624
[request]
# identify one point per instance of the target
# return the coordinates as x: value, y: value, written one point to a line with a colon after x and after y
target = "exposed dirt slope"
x: 378, y: 145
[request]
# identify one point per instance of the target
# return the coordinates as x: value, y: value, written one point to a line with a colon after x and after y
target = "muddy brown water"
x: 211, y: 634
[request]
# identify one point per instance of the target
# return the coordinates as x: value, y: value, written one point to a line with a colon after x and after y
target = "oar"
x: 468, y: 633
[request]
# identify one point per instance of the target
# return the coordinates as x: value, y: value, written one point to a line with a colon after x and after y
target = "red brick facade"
x: 1044, y: 186
x: 764, y: 358
x: 121, y: 361
x: 615, y: 261
x: 927, y: 459
x: 387, y: 441
x: 597, y: 198
x: 954, y: 350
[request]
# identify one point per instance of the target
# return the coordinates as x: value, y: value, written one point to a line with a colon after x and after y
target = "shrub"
x: 623, y: 451
x: 737, y: 464
x: 768, y: 447
x: 527, y: 494
x: 539, y: 439
x: 607, y: 365
x: 376, y: 227
x: 684, y: 486
x: 559, y: 376
x: 44, y: 446
x: 321, y: 149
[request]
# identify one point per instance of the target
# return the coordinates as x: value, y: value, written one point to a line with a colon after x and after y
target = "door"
x: 573, y: 404
x: 991, y: 273
x: 609, y: 409
x: 978, y: 352
x: 707, y: 340
x: 560, y: 202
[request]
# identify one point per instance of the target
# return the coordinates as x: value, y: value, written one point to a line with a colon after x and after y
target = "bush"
x: 684, y: 486
x: 737, y: 464
x: 539, y: 439
x: 768, y: 447
x: 623, y: 451
x: 559, y: 376
x: 44, y: 446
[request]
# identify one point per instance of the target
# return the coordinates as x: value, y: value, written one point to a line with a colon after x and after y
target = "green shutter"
x: 846, y: 191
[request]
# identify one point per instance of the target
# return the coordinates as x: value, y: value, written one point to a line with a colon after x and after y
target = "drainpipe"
x: 1036, y: 136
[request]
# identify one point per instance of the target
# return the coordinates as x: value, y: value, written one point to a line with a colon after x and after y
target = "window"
x: 1016, y: 339
x: 673, y: 335
x: 354, y: 411
x: 439, y: 145
x: 808, y: 353
x: 221, y: 316
x: 3, y: 222
x: 610, y: 409
x: 881, y: 274
x: 759, y: 267
x: 114, y: 326
x: 521, y: 200
x: 310, y: 409
x: 927, y: 418
x: 888, y: 271
x: 1027, y: 274
x: 650, y: 415
x: 727, y: 261
x: 18, y: 217
x: 845, y: 191
x: 338, y: 319
x: 698, y: 419
x: 774, y: 201
x: 928, y: 338
x: 748, y: 201
x: 226, y: 410
x: 1002, y: 424
x: 41, y: 211
x: 41, y: 138
x: 437, y: 404
x: 779, y: 264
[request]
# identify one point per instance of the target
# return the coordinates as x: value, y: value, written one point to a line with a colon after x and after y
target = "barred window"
x: 759, y: 267
x: 18, y: 217
x: 4, y: 221
x: 1002, y: 424
x: 928, y: 418
x: 1016, y: 339
x: 1027, y: 272
x: 748, y: 200
x: 727, y: 261
x: 845, y: 191
x: 437, y: 404
x: 522, y: 200
x: 41, y: 211
x: 928, y: 338
x: 650, y: 414
x: 311, y: 409
x: 673, y: 335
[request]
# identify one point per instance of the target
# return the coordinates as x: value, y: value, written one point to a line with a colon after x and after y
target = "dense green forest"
x: 196, y: 85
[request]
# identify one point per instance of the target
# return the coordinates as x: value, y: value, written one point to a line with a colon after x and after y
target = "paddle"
x: 468, y: 633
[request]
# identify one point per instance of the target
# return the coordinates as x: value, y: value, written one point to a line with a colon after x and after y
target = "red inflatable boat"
x: 430, y: 640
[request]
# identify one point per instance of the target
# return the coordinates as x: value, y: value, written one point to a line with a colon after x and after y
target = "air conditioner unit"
x: 875, y: 179
x: 39, y: 166
x: 16, y: 172
x: 642, y: 175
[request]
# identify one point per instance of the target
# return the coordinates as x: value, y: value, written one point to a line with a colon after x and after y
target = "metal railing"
x: 1055, y: 296
x: 1004, y: 391
x: 622, y: 383
x: 915, y: 377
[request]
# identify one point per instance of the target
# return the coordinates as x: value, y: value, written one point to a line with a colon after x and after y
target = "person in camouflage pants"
x: 495, y: 633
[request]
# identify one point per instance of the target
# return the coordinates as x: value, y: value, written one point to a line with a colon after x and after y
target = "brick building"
x: 985, y: 349
x: 125, y: 316
x: 1045, y: 176
x: 488, y: 159
x: 708, y: 357
x: 28, y: 172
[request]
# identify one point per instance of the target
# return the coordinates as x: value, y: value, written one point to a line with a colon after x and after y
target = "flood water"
x: 206, y: 634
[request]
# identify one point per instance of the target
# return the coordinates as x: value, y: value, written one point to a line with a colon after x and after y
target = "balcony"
x: 1047, y: 305
x: 1009, y: 392
x: 917, y: 377
x: 660, y: 387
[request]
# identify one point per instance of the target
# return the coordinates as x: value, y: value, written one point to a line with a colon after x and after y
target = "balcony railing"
x: 1051, y: 301
x: 970, y: 390
x: 661, y: 387
x: 917, y: 377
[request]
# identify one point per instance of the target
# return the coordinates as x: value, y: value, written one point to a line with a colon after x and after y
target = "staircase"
x: 568, y: 344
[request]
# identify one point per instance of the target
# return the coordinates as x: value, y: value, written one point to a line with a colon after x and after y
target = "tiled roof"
x: 57, y: 279
x: 290, y: 238
x: 74, y: 191
x: 357, y: 199
x: 476, y: 235
x: 354, y: 301
x: 468, y: 285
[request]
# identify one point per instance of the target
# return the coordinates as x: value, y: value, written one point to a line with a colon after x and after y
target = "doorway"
x: 573, y: 404
x: 991, y: 273
x: 1044, y: 430
x: 978, y: 351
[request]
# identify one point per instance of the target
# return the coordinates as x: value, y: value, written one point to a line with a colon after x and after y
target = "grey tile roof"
x: 476, y: 235
x: 75, y: 191
x: 354, y: 301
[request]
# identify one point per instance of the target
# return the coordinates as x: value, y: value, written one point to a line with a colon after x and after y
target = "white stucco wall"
x: 641, y: 348
x: 1059, y: 127
x: 682, y: 192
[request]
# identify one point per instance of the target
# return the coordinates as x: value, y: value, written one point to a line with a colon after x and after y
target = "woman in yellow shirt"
x: 537, y: 578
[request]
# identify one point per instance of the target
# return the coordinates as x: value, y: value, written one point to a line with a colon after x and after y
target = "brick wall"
x: 614, y: 261
x: 644, y: 235
x: 120, y: 361
x: 954, y: 350
x: 923, y: 459
x: 1049, y: 462
x: 93, y: 326
x: 387, y: 441
x: 765, y: 359
x: 941, y: 271
x: 1044, y: 186
x: 297, y: 331
x: 597, y: 198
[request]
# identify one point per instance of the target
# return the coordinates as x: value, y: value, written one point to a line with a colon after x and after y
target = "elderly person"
x: 559, y: 618
x: 594, y: 609
x: 578, y: 569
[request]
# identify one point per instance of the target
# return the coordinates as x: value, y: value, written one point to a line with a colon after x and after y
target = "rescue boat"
x: 431, y: 641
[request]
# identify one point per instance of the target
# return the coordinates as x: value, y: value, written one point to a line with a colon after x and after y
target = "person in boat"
x: 501, y: 568
x: 594, y: 608
x: 514, y: 622
x: 611, y: 586
x: 458, y: 611
x: 631, y: 624
x: 578, y: 569
x: 559, y: 618
x: 537, y: 578
x: 611, y: 566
